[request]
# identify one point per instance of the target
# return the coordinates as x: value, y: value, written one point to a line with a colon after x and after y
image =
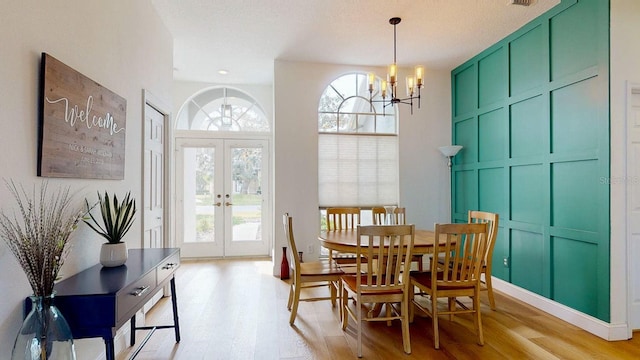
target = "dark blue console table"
x: 98, y: 301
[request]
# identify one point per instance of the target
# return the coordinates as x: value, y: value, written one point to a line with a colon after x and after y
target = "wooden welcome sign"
x: 82, y: 125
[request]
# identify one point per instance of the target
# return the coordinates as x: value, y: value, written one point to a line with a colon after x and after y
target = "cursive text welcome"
x: 73, y: 114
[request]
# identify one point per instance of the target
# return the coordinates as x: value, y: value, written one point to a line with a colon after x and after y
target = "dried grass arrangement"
x: 38, y: 232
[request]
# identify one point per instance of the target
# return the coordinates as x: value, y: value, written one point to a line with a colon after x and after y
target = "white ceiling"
x: 245, y: 36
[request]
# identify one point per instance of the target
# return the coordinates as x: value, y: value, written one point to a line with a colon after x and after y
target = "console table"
x: 99, y: 300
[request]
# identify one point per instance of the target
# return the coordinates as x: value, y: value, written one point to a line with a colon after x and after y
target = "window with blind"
x: 357, y: 146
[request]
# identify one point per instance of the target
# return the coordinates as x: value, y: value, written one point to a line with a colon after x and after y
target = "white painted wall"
x: 122, y: 45
x: 423, y: 178
x: 625, y: 53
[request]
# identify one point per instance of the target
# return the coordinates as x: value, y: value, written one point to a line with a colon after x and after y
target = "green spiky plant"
x: 117, y: 217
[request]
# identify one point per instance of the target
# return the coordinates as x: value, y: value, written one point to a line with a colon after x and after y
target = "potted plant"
x: 117, y: 218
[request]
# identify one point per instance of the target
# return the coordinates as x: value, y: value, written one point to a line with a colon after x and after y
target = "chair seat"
x: 441, y: 262
x: 350, y: 269
x: 424, y: 279
x: 350, y: 281
x: 320, y: 268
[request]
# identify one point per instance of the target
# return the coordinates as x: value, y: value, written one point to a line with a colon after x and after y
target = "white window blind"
x: 357, y: 170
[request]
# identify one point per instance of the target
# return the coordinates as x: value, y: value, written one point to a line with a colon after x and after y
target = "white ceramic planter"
x: 112, y: 255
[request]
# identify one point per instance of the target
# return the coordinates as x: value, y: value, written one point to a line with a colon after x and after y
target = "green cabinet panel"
x: 529, y: 128
x: 527, y: 197
x: 465, y: 91
x: 574, y: 195
x: 575, y: 117
x: 492, y: 86
x: 465, y: 185
x: 466, y: 135
x: 491, y: 192
x: 527, y: 61
x: 527, y: 260
x: 574, y: 276
x: 492, y: 131
x: 572, y: 34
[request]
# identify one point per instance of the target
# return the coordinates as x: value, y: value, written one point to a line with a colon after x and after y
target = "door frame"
x: 633, y: 311
x: 167, y: 209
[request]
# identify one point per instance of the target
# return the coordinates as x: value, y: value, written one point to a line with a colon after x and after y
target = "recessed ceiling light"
x: 223, y: 72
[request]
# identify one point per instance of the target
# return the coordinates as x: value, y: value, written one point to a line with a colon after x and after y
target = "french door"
x: 222, y: 197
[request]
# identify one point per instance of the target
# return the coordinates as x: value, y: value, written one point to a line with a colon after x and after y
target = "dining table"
x: 345, y: 241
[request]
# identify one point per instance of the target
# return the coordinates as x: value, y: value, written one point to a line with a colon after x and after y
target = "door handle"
x: 218, y: 204
x: 228, y: 204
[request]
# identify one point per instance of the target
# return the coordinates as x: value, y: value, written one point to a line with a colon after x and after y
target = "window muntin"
x: 222, y: 109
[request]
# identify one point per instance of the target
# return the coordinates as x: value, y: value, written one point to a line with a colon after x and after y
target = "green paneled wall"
x: 532, y: 115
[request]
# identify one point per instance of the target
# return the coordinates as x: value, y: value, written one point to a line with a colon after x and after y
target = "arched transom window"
x: 345, y: 108
x: 222, y: 109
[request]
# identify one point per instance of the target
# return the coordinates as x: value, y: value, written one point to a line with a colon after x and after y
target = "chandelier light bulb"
x: 393, y: 72
x: 419, y: 75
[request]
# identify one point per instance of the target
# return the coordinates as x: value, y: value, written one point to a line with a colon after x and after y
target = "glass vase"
x: 390, y: 215
x: 44, y: 334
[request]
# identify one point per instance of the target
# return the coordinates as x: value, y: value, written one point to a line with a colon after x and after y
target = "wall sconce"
x: 450, y: 151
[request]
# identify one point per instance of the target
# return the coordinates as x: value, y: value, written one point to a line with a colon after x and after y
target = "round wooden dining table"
x: 345, y: 241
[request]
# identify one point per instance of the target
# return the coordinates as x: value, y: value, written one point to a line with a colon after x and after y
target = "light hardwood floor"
x: 235, y: 309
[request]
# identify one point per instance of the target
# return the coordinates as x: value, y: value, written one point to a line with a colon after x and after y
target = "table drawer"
x: 133, y: 294
x: 168, y: 267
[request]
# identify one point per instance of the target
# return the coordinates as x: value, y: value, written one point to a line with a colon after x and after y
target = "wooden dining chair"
x: 342, y: 218
x: 379, y: 215
x: 491, y: 219
x: 457, y: 275
x: 391, y: 246
x: 308, y: 274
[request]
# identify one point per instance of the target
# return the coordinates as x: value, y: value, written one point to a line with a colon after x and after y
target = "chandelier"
x: 389, y: 87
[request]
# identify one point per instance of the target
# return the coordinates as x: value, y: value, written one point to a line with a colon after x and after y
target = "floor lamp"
x: 450, y: 151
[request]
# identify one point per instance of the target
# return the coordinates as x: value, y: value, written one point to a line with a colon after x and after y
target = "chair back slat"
x: 462, y: 254
x: 387, y: 254
x: 491, y: 219
x: 287, y: 222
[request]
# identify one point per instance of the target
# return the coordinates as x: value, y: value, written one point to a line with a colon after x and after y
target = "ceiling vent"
x: 522, y: 2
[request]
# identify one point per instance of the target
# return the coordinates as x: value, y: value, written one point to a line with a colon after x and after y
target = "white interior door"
x: 633, y: 199
x: 222, y: 203
x: 153, y: 177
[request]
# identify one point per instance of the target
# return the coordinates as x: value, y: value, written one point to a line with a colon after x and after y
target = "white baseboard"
x: 607, y: 331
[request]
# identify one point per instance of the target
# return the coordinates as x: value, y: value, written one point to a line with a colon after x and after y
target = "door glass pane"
x: 246, y: 177
x: 199, y: 198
